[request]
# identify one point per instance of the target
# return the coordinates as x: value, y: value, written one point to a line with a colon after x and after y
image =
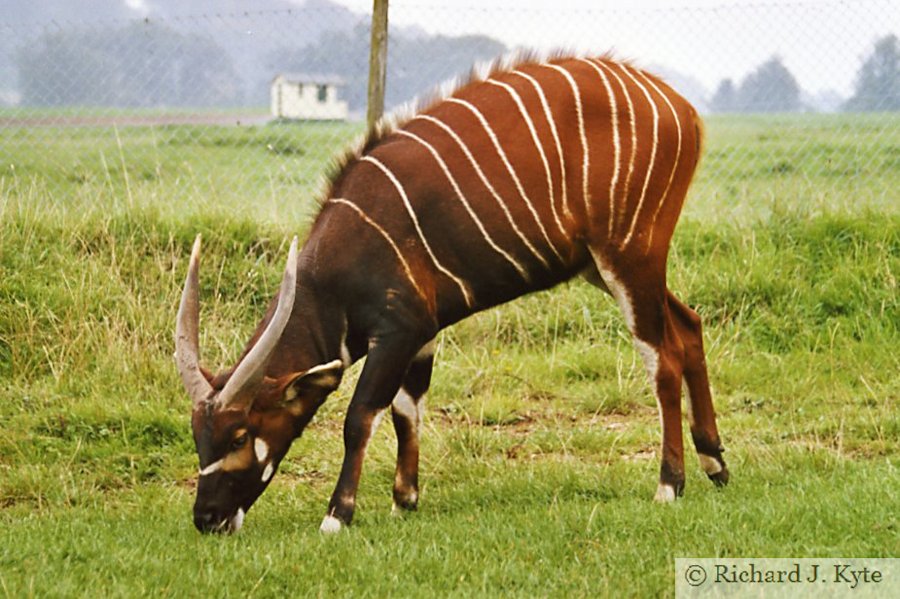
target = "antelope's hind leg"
x: 640, y: 291
x: 406, y: 412
x: 701, y: 415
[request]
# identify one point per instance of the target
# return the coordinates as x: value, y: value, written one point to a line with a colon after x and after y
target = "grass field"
x: 540, y: 444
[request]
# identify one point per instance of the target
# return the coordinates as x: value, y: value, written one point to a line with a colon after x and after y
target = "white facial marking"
x: 215, y: 466
x: 330, y: 525
x: 236, y: 521
x: 709, y: 464
x: 267, y: 473
x: 664, y: 493
x: 261, y: 448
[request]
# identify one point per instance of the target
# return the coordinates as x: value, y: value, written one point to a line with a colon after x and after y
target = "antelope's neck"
x: 315, y: 334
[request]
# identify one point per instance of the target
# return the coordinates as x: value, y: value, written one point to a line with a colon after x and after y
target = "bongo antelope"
x: 523, y: 177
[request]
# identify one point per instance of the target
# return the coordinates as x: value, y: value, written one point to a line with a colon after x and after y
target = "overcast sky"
x: 821, y: 41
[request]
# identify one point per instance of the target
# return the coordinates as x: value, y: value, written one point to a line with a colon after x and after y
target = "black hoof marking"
x: 720, y: 479
x: 407, y: 506
x: 406, y: 500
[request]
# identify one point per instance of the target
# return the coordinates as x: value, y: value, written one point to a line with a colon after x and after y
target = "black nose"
x: 207, y: 521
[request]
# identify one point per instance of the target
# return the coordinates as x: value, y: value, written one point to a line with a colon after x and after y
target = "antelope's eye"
x: 240, y: 441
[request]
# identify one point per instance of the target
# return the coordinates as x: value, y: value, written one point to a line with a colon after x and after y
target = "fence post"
x: 377, y: 62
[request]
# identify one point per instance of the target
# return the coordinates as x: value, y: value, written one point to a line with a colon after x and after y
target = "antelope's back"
x: 502, y: 186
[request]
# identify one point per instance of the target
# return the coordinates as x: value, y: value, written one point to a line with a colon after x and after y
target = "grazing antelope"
x: 520, y: 179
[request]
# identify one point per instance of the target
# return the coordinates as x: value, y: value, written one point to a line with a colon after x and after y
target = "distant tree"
x: 725, y: 99
x: 140, y: 64
x: 770, y: 88
x: 878, y: 79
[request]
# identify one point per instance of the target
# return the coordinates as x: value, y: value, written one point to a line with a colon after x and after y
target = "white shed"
x: 307, y: 97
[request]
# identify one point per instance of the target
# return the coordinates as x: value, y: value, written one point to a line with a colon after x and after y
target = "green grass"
x: 540, y: 448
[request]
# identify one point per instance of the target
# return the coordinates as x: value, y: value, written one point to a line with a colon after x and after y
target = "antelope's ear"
x: 317, y: 382
x: 210, y: 377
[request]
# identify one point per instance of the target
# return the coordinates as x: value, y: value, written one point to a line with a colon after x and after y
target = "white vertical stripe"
x: 549, y: 116
x: 537, y: 144
x: 412, y: 215
x: 509, y: 167
x: 632, y: 125
x: 585, y: 164
x: 462, y: 199
x: 486, y: 183
x: 617, y: 144
x: 677, y: 154
x: 637, y: 211
x: 387, y: 238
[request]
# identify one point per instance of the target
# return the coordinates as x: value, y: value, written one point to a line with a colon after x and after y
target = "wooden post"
x: 377, y: 62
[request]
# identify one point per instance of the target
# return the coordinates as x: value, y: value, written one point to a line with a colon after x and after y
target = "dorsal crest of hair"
x: 398, y: 118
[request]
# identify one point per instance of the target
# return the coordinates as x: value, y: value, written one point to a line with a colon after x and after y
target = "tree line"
x: 138, y: 65
x: 148, y: 64
x: 771, y: 87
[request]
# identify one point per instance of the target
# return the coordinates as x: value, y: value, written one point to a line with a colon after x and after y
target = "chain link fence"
x: 802, y: 100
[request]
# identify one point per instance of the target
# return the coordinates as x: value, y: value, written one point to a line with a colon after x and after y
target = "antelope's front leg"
x: 378, y: 384
x: 406, y: 411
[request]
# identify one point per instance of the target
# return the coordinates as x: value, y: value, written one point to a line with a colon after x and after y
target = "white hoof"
x: 330, y: 525
x: 664, y: 494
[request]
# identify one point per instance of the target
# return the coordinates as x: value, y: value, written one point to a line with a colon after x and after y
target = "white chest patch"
x: 236, y: 521
x: 261, y: 448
